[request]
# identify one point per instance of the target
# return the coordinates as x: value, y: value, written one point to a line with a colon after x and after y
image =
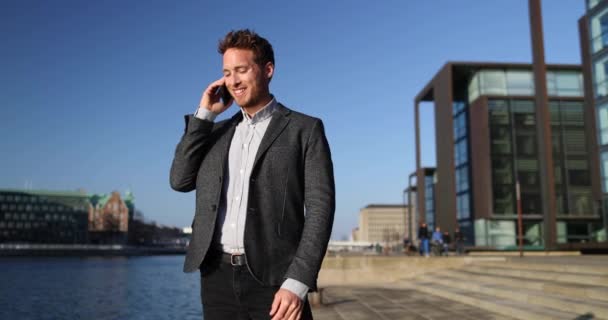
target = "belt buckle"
x: 232, y: 260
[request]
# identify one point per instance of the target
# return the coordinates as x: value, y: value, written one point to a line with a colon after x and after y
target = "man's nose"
x: 235, y: 80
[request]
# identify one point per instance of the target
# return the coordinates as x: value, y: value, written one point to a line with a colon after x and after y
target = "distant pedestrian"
x: 423, y: 236
x: 447, y: 240
x: 459, y: 241
x: 437, y: 241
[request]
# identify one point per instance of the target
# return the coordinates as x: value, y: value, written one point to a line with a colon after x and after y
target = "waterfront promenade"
x: 568, y: 286
x: 363, y: 303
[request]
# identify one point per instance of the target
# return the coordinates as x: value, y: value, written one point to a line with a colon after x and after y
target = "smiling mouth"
x: 238, y: 92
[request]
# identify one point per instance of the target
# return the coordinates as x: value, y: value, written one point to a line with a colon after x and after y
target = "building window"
x: 565, y: 83
x: 599, y: 31
x: 463, y: 207
x: 494, y: 82
x: 461, y: 153
x: 602, y: 124
x: 457, y: 107
x: 462, y: 179
x: 460, y: 126
x: 591, y: 4
x: 568, y: 84
x: 600, y: 74
x: 504, y: 199
x: 520, y: 83
x: 604, y: 168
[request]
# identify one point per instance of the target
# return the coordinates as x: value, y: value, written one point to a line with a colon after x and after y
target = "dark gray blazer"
x: 291, y: 194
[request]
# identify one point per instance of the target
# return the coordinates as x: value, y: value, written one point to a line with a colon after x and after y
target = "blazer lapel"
x: 275, y: 127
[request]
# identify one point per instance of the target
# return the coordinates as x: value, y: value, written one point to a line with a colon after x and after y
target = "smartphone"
x: 225, y: 94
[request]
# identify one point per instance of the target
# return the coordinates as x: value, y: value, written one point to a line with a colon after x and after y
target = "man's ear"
x: 269, y: 70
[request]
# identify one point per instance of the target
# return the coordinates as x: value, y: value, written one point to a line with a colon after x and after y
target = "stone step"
x: 505, y: 307
x: 524, y: 296
x: 582, y: 291
x: 567, y: 277
x: 566, y: 266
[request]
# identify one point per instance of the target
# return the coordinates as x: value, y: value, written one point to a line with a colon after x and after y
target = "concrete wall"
x: 377, y: 270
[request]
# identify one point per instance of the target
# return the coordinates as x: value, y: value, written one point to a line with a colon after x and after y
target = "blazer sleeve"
x: 189, y: 154
x: 320, y: 205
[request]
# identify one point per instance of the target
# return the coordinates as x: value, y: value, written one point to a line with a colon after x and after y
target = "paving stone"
x: 363, y: 303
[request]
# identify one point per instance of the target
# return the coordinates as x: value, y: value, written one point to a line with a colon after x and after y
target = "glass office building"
x: 489, y: 113
x: 593, y: 29
x: 43, y: 217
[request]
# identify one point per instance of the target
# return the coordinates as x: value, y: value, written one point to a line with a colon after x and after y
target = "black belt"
x: 234, y: 259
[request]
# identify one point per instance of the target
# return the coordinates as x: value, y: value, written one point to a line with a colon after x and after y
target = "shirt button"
x: 244, y: 145
x: 242, y: 171
x: 238, y: 198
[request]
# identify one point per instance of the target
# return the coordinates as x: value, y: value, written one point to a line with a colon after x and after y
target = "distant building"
x: 38, y: 216
x: 108, y: 218
x: 413, y: 220
x: 486, y: 117
x: 383, y: 224
x: 593, y: 29
x: 354, y: 236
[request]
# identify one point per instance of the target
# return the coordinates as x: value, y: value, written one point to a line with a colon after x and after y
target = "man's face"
x: 247, y: 81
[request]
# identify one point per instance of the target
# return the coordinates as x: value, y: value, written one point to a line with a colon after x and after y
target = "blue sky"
x: 93, y: 93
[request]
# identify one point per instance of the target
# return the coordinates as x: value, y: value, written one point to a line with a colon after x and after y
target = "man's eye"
x: 241, y: 70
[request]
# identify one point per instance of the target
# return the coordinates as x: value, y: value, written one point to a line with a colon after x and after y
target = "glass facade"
x: 604, y: 170
x: 599, y: 30
x: 562, y: 83
x: 32, y: 218
x: 461, y: 161
x: 602, y: 124
x: 514, y: 157
x: 598, y: 37
x: 591, y: 4
x: 570, y: 160
x: 429, y: 201
x: 600, y: 79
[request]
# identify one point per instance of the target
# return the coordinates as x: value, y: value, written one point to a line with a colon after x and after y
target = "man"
x: 265, y: 196
x: 459, y: 241
x: 437, y: 241
x: 447, y: 240
x: 423, y: 236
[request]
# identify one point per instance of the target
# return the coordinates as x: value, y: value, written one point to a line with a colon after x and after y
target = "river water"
x: 148, y: 288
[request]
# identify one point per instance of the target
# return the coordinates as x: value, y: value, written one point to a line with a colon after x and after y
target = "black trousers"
x: 231, y: 292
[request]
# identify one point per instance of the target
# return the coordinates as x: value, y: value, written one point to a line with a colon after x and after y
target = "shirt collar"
x: 262, y: 114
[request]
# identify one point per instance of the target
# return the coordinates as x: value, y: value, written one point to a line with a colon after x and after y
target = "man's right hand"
x: 212, y: 98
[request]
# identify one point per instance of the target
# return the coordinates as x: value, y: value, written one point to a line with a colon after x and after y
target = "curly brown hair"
x: 247, y: 39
